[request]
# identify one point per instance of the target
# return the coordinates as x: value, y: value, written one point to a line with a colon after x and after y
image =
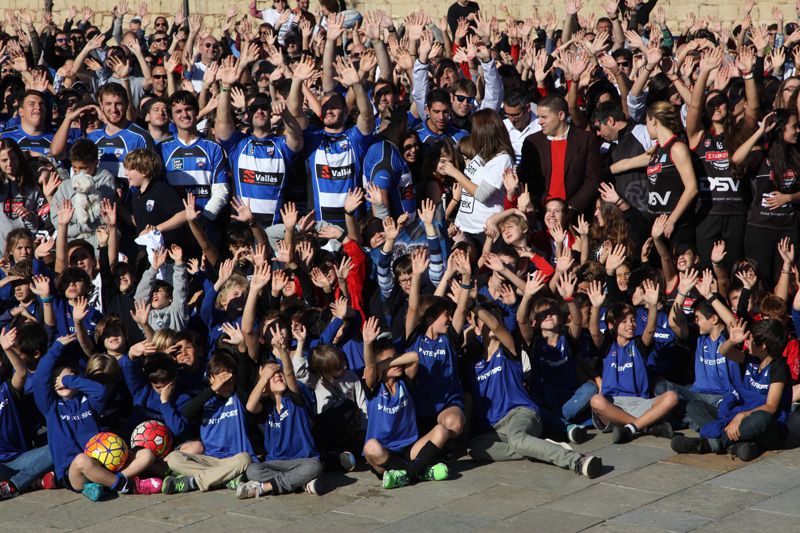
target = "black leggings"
x: 713, y: 228
x: 761, y: 244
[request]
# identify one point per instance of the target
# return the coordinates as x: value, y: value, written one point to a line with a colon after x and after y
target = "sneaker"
x: 564, y: 445
x: 621, y: 434
x: 393, y: 479
x: 746, y: 451
x: 348, y: 461
x: 684, y: 444
x: 311, y: 486
x: 7, y: 490
x: 589, y: 466
x: 234, y: 483
x: 576, y: 434
x: 150, y: 485
x: 46, y: 482
x: 437, y: 472
x: 249, y: 489
x: 662, y: 429
x: 175, y: 485
x: 93, y: 491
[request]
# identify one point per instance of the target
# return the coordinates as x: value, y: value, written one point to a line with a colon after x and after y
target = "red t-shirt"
x: 558, y: 155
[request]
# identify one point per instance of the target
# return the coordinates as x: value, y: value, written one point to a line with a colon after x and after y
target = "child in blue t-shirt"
x: 624, y: 401
x: 752, y: 418
x: 505, y: 419
x: 292, y: 461
x: 22, y: 467
x: 219, y: 410
x: 71, y: 405
x: 714, y: 374
x: 393, y: 449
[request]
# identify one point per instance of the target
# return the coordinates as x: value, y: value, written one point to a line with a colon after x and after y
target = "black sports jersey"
x: 664, y: 184
x: 720, y: 193
x: 763, y: 183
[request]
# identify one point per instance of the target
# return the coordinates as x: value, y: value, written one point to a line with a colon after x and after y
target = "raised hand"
x: 370, y: 330
x: 427, y: 211
x: 566, y: 284
x: 355, y: 197
x: 80, y: 308
x: 339, y: 308
x: 687, y: 280
x: 596, y: 294
x: 40, y: 286
x: 536, y: 282
x: 192, y: 213
x: 241, y: 210
x: 419, y: 261
x: 141, y: 312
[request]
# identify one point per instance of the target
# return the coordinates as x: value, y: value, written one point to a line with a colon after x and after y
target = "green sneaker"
x: 176, y: 485
x: 393, y: 479
x: 234, y: 483
x: 437, y: 472
x: 93, y: 491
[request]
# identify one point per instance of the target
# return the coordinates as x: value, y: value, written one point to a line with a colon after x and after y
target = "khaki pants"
x: 208, y: 472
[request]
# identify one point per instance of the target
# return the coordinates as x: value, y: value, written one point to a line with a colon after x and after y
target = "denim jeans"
x: 27, y: 468
x: 690, y: 419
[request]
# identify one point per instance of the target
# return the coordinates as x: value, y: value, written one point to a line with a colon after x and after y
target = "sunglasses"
x: 6, y: 70
x: 462, y: 98
x: 164, y: 24
x: 253, y: 108
x: 61, y: 40
x: 159, y: 76
x: 407, y: 147
x: 209, y: 45
x: 162, y: 40
x: 623, y: 63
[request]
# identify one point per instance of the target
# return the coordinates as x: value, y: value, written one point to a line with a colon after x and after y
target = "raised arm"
x: 535, y: 283
x: 651, y: 300
x: 419, y: 265
x: 597, y: 297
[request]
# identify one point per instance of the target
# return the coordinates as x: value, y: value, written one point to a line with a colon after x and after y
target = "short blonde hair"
x: 236, y: 281
x: 145, y: 161
x: 165, y: 338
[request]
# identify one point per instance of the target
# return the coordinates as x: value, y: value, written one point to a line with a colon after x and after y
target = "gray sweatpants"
x: 516, y: 436
x: 285, y: 476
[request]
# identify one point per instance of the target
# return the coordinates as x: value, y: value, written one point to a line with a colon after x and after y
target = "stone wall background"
x: 214, y: 10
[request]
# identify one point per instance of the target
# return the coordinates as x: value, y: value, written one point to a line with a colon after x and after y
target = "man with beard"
x: 30, y: 134
x: 260, y: 161
x: 156, y: 115
x: 117, y: 139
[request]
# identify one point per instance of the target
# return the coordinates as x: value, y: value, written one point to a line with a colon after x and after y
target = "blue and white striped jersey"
x: 385, y: 167
x: 260, y: 168
x: 199, y: 168
x: 112, y: 149
x: 37, y: 144
x: 333, y: 161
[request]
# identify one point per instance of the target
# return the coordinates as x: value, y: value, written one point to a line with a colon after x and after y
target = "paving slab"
x: 333, y: 522
x: 233, y: 523
x: 784, y: 458
x: 603, y: 500
x: 438, y: 521
x: 499, y: 502
x: 760, y: 477
x: 708, y: 501
x: 540, y: 519
x: 787, y: 503
x: 623, y: 458
x: 752, y: 520
x: 649, y: 517
x: 665, y: 478
x: 708, y: 461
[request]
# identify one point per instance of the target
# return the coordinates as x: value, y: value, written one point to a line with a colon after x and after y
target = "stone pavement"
x: 645, y: 488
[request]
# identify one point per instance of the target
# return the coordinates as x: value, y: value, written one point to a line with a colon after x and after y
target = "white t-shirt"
x: 472, y: 214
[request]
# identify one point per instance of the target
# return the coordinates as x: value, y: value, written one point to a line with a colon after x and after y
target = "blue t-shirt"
x: 499, y: 388
x: 112, y: 149
x: 624, y: 371
x: 260, y: 170
x: 392, y: 419
x: 287, y: 434
x: 385, y: 167
x: 222, y: 428
x: 713, y: 372
x: 438, y: 383
x: 38, y: 144
x: 333, y: 163
x: 553, y: 371
x: 12, y: 437
x: 753, y: 388
x: 194, y: 168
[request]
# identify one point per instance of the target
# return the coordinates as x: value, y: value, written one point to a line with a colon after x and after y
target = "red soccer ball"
x: 153, y: 435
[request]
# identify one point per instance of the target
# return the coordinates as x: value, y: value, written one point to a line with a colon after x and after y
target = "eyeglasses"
x: 623, y: 63
x: 159, y: 76
x: 516, y: 115
x: 464, y: 98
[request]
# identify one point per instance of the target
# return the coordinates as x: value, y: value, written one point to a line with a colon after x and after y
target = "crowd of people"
x: 318, y: 241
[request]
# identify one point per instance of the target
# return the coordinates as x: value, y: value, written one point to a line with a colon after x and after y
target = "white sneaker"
x: 564, y: 445
x: 249, y: 489
x: 311, y: 486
